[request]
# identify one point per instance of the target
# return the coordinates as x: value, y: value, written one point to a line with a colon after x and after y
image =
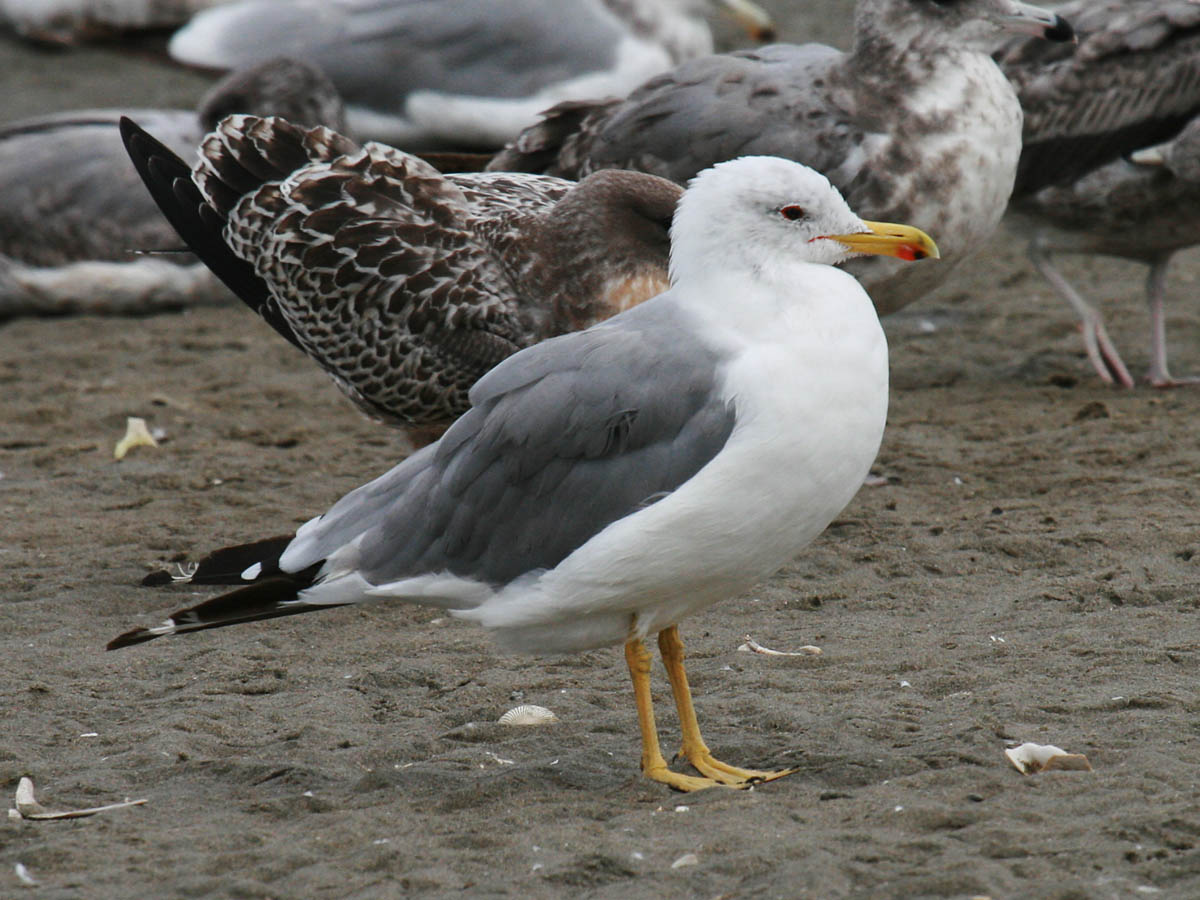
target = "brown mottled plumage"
x: 406, y: 285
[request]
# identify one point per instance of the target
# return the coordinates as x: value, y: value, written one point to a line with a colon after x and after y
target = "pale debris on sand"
x: 528, y: 715
x: 1030, y: 758
x: 27, y: 806
x: 136, y: 435
x: 753, y: 646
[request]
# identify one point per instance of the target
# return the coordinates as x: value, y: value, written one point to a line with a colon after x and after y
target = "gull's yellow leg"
x: 671, y: 647
x: 653, y: 764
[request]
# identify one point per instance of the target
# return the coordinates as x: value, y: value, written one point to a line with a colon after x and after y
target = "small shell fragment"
x: 23, y: 875
x: 1030, y: 758
x: 29, y: 808
x: 136, y: 435
x: 528, y: 715
x: 688, y: 859
x: 753, y: 646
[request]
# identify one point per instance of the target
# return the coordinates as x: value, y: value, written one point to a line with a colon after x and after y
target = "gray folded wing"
x: 1133, y: 81
x: 70, y: 193
x: 563, y: 439
x: 775, y: 100
x: 379, y: 52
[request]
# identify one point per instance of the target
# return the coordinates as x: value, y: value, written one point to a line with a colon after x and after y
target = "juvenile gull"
x: 405, y: 285
x: 74, y: 213
x: 607, y: 483
x: 916, y: 123
x: 1111, y: 164
x: 461, y: 73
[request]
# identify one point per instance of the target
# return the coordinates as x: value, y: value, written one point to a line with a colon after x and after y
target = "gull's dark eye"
x: 792, y: 213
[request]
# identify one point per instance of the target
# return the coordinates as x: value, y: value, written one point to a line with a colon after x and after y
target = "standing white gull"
x: 74, y: 215
x: 461, y: 73
x: 915, y: 124
x: 406, y: 285
x: 610, y: 482
x: 1108, y: 165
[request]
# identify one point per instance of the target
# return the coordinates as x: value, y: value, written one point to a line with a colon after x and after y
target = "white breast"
x: 810, y: 393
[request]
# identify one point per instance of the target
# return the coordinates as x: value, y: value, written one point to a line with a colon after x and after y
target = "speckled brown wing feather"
x: 505, y: 209
x: 370, y: 257
x: 1132, y: 81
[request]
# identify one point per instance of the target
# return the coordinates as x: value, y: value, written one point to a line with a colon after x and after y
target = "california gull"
x: 915, y: 123
x: 75, y: 215
x: 461, y: 73
x: 1111, y: 164
x: 607, y: 483
x: 405, y: 285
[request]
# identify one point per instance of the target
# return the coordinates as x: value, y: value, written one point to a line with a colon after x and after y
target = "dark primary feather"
x: 1132, y: 81
x: 168, y: 179
x: 227, y: 565
x: 345, y: 241
x: 268, y: 598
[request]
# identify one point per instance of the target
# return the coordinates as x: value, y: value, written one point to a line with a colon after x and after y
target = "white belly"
x: 811, y: 402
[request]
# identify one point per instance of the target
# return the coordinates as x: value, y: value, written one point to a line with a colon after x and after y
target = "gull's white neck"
x: 780, y: 303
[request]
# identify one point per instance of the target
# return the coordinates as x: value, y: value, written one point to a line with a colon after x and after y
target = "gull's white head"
x: 760, y: 214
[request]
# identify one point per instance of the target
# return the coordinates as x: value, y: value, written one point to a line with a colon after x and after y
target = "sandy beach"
x: 1030, y: 572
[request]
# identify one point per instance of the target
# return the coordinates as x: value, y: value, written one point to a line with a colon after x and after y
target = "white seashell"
x: 136, y: 435
x: 753, y: 646
x: 528, y: 715
x: 1030, y: 758
x: 688, y: 859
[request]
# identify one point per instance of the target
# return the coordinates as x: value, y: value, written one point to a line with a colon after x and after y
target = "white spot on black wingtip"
x: 167, y: 627
x: 252, y: 572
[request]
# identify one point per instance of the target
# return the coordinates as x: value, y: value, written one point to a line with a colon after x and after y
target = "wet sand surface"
x: 1031, y: 572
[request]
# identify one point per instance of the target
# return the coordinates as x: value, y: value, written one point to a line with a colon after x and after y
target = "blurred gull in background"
x: 1111, y: 162
x: 75, y: 215
x: 461, y: 74
x: 916, y: 123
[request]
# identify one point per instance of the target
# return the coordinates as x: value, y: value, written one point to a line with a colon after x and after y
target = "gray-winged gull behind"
x: 75, y: 218
x: 460, y: 73
x: 1110, y: 163
x: 915, y: 123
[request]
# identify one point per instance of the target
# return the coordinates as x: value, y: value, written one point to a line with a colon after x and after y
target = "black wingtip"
x: 157, y: 579
x: 169, y: 181
x: 129, y: 638
x: 229, y: 564
x: 1061, y: 31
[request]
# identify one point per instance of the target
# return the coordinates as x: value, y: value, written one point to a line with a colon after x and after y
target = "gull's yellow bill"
x: 887, y: 239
